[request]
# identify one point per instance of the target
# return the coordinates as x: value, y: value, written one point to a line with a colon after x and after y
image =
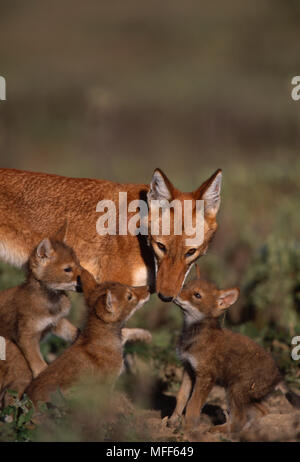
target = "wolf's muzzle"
x: 165, y: 299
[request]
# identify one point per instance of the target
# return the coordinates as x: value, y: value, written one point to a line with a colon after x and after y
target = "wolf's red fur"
x: 35, y: 205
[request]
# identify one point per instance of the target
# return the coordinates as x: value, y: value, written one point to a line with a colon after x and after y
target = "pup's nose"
x: 78, y: 284
x: 165, y: 299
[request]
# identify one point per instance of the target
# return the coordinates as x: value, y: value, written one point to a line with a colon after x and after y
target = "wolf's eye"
x: 197, y: 295
x: 161, y: 246
x: 68, y: 269
x: 129, y: 297
x: 190, y: 252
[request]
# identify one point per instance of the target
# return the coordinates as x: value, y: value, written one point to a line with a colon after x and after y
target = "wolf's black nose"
x: 165, y: 299
x: 78, y: 284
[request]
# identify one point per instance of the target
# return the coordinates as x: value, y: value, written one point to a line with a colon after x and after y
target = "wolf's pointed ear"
x: 226, y: 298
x: 61, y: 234
x: 45, y: 249
x: 210, y: 192
x: 198, y: 275
x: 160, y: 187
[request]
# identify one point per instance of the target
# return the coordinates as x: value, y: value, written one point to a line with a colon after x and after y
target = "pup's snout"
x: 78, y: 284
x: 141, y: 291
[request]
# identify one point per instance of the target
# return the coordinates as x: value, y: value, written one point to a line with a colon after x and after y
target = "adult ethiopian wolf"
x: 34, y: 205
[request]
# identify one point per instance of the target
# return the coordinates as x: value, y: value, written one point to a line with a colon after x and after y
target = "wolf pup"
x: 213, y: 355
x: 40, y: 304
x: 99, y: 348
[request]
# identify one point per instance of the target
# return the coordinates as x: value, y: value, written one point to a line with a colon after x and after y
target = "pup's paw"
x: 174, y: 421
x: 136, y: 335
x: 145, y: 336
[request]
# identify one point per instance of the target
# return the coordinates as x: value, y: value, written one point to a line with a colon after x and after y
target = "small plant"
x: 15, y: 419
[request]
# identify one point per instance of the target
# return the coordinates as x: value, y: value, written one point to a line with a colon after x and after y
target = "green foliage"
x: 10, y: 276
x: 272, y: 284
x: 52, y: 346
x: 15, y: 419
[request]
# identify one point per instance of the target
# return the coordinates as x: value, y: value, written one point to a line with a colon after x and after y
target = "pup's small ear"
x: 45, y: 249
x: 88, y: 282
x: 61, y: 234
x: 110, y: 301
x: 160, y: 187
x: 210, y: 192
x: 198, y: 275
x: 227, y: 298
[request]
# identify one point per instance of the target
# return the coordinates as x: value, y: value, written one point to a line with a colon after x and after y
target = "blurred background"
x: 114, y: 89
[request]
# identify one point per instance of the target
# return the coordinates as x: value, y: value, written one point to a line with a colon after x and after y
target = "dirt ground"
x: 282, y: 423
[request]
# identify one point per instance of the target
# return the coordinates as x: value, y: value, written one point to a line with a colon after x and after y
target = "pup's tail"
x: 292, y: 397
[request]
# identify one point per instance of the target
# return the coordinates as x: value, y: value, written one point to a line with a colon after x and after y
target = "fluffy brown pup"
x: 213, y: 355
x: 98, y: 350
x: 40, y: 304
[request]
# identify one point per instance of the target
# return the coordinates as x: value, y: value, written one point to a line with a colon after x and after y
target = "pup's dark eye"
x: 161, y: 246
x: 197, y: 295
x: 129, y: 297
x: 190, y: 252
x: 68, y: 269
